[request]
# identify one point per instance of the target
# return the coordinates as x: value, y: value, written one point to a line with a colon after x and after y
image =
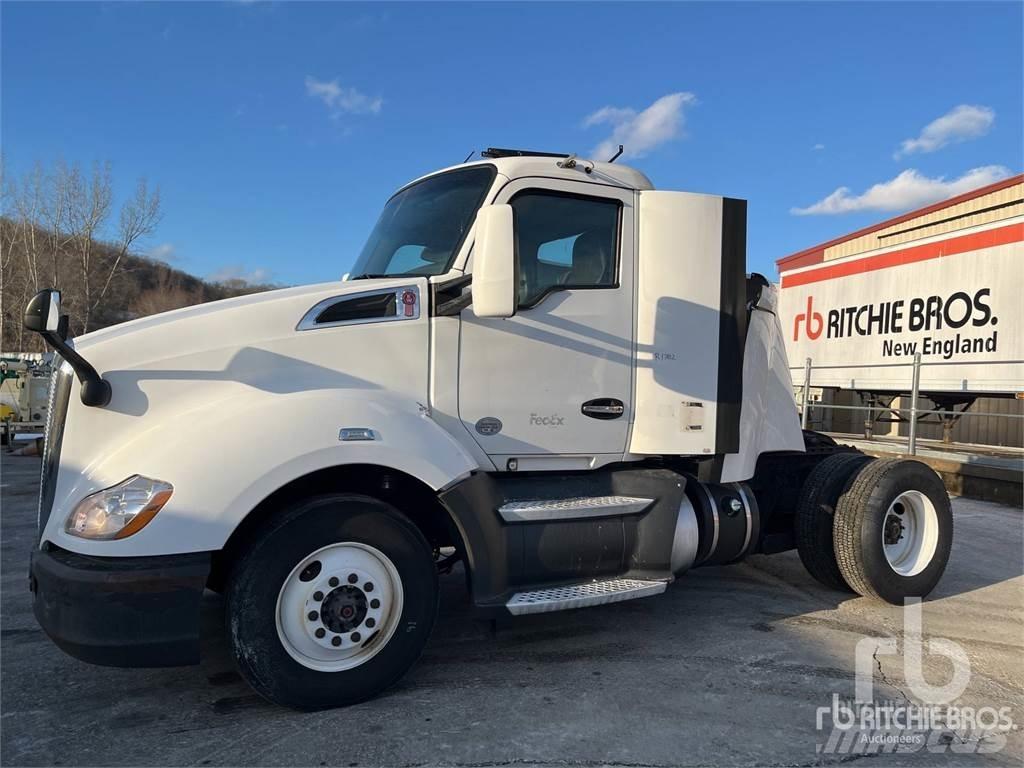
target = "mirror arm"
x: 42, y: 316
x: 451, y: 297
x: 456, y: 305
x: 95, y: 389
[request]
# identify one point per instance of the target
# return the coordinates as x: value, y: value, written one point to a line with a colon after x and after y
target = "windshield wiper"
x: 369, y: 276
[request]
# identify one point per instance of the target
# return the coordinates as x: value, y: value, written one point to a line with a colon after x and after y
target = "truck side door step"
x: 572, y: 509
x: 582, y: 595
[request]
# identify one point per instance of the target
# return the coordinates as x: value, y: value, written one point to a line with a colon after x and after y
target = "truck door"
x: 556, y: 378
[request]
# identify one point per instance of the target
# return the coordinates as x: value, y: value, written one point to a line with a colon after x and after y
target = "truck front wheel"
x: 893, y: 530
x: 332, y: 603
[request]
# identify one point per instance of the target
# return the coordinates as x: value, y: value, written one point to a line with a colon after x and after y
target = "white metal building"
x: 946, y: 282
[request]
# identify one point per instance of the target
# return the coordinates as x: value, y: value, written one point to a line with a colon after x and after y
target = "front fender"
x: 224, y: 457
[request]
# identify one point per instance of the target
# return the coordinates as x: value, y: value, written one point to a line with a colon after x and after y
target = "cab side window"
x: 564, y: 241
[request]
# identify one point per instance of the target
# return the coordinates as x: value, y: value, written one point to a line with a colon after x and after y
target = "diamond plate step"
x: 572, y: 509
x: 582, y: 595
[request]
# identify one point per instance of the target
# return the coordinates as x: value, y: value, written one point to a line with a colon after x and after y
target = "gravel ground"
x: 728, y: 667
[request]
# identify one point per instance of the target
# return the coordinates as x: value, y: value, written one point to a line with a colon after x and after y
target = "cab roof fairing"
x: 512, y: 168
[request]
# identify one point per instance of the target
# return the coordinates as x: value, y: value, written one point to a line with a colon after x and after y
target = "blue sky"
x: 276, y: 131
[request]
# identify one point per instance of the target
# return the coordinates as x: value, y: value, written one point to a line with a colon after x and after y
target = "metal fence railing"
x: 948, y: 416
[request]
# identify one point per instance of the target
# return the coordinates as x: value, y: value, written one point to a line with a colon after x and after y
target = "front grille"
x: 56, y: 415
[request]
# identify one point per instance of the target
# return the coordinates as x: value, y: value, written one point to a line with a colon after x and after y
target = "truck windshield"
x: 423, y: 226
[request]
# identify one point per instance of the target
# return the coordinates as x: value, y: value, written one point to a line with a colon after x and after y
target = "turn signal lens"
x: 120, y: 511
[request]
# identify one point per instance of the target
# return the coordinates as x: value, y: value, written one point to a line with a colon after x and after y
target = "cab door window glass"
x: 563, y: 242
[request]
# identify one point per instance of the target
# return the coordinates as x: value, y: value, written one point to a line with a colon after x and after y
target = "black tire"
x: 858, y: 530
x: 816, y: 440
x: 257, y: 577
x: 816, y: 512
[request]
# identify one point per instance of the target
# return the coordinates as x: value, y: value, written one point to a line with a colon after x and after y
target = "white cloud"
x: 961, y: 123
x: 163, y: 252
x: 239, y: 272
x: 908, y: 190
x: 341, y: 100
x: 818, y: 147
x: 609, y: 115
x: 640, y: 132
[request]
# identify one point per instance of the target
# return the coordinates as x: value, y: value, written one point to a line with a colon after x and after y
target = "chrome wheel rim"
x: 910, y: 533
x: 339, y: 606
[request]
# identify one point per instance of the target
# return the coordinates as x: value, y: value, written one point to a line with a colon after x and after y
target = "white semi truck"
x: 538, y: 363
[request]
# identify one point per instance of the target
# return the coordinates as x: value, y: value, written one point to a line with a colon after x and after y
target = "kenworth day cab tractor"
x: 539, y: 365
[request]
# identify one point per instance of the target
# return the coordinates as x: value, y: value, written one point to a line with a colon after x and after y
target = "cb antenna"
x: 473, y: 152
x: 616, y: 155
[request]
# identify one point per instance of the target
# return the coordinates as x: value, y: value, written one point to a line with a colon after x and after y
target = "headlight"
x: 120, y: 511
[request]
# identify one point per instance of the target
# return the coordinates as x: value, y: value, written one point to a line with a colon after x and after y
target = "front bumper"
x: 121, y: 611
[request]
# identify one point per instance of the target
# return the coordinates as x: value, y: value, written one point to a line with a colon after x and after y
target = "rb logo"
x: 812, y: 320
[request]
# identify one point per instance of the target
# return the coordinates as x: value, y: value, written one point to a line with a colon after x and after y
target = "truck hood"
x: 254, y: 341
x: 244, y: 316
x: 230, y: 401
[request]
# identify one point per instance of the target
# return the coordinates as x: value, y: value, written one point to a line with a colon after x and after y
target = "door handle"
x: 603, y: 408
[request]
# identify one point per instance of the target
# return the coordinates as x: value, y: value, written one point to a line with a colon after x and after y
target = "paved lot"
x: 726, y: 668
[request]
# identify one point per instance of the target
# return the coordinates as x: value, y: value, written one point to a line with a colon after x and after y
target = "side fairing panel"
x: 677, y: 333
x: 768, y: 417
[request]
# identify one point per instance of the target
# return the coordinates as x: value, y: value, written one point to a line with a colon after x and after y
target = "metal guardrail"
x: 914, y: 411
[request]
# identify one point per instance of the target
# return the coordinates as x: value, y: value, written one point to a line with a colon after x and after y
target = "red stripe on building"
x: 949, y: 247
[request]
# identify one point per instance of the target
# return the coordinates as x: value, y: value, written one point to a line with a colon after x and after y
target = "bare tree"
x: 89, y: 208
x: 58, y: 230
x: 55, y: 217
x: 139, y: 217
x: 7, y: 236
x: 57, y: 233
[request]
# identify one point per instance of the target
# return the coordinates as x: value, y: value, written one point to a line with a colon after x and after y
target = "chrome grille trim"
x: 53, y: 435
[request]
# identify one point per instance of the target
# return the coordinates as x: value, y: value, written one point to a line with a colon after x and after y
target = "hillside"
x: 35, y: 258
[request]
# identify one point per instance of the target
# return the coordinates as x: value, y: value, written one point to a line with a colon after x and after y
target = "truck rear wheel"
x: 332, y: 603
x: 816, y: 513
x: 893, y: 530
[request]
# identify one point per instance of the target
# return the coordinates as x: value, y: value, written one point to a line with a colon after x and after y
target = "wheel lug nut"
x: 320, y: 632
x: 370, y: 623
x: 375, y: 603
x: 368, y: 586
x: 352, y: 578
x: 356, y: 637
x: 336, y: 640
x: 318, y: 596
x: 333, y: 581
x: 313, y: 616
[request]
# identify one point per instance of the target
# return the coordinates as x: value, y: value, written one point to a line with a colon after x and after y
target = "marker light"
x: 120, y: 511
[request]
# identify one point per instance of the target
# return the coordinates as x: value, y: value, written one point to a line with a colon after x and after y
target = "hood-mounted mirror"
x: 43, y: 316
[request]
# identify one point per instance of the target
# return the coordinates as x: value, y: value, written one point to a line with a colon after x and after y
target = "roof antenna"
x: 469, y: 156
x: 616, y: 155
